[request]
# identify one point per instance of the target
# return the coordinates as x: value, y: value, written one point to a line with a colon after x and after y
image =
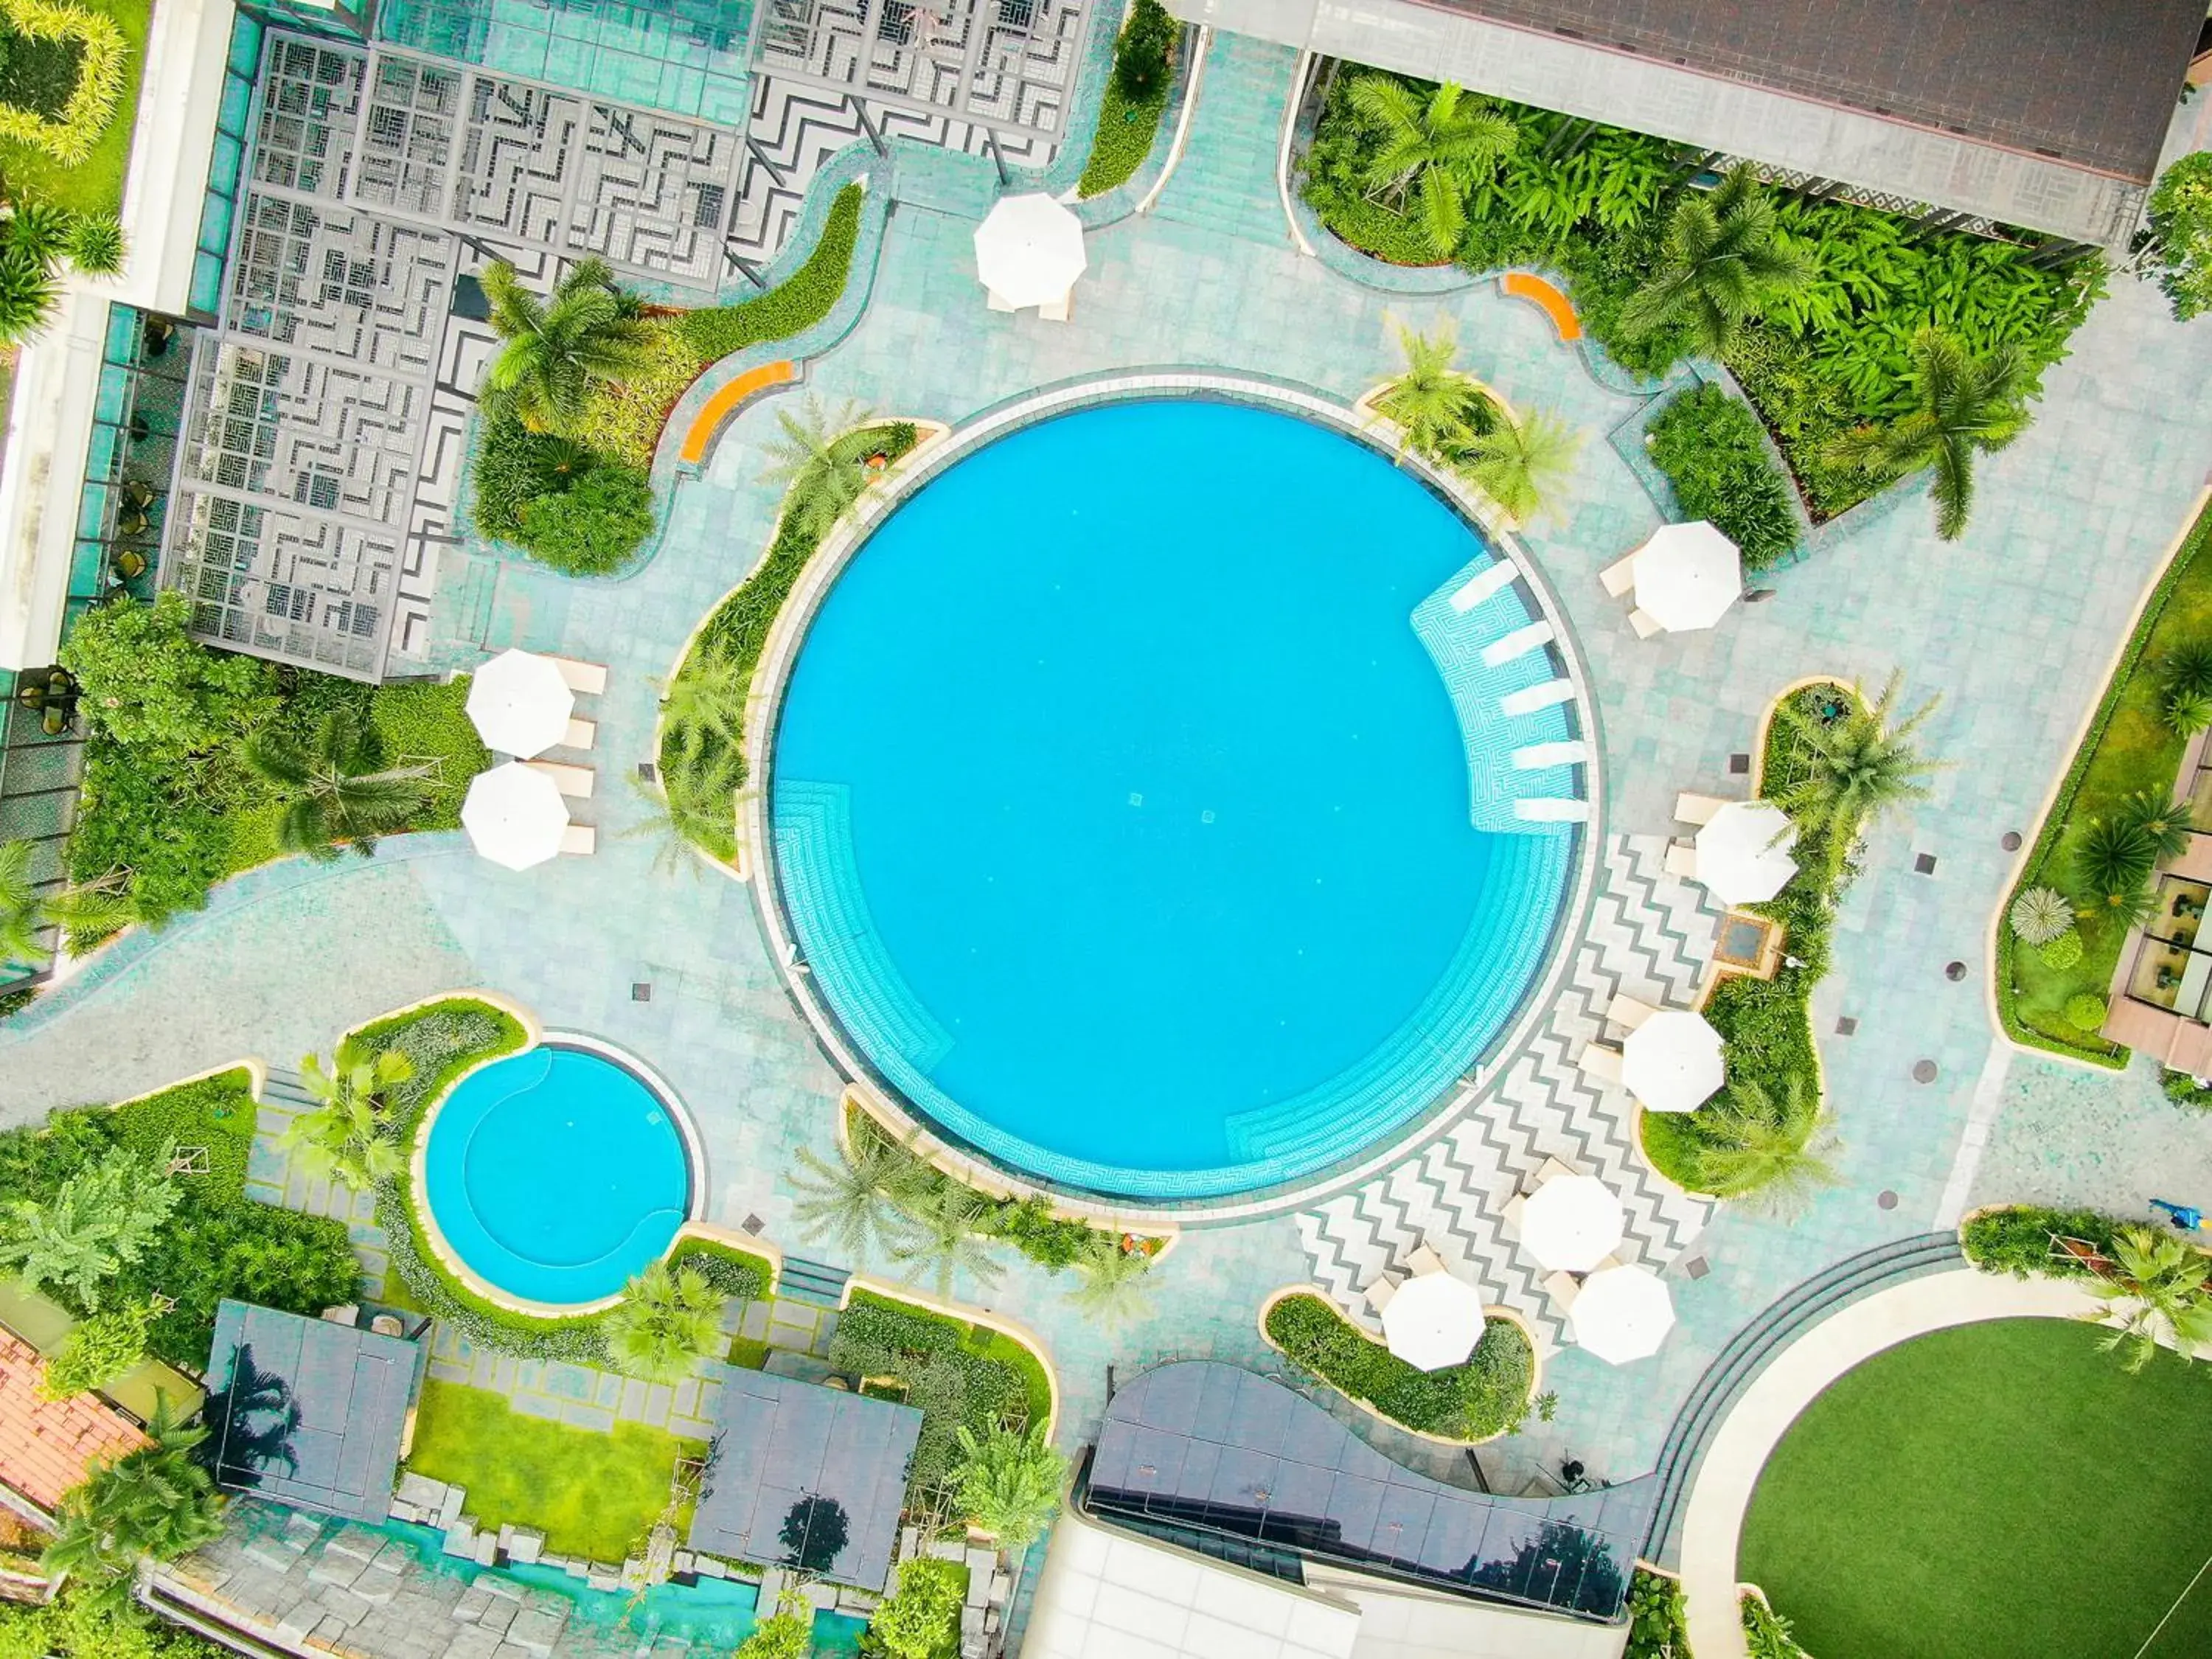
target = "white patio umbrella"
x: 1029, y: 250
x: 514, y: 816
x: 1621, y: 1314
x: 1433, y: 1319
x: 1687, y: 575
x: 521, y: 704
x: 1571, y: 1223
x: 1743, y: 852
x: 1671, y: 1062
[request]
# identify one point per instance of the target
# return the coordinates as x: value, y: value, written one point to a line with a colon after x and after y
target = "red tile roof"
x: 46, y: 1446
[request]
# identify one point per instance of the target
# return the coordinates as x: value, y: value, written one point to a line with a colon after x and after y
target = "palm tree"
x: 2041, y: 914
x: 820, y: 480
x: 99, y: 906
x: 858, y: 1203
x: 1009, y: 1483
x: 102, y: 1219
x: 668, y: 1320
x: 947, y: 1217
x: 1858, y: 767
x: 2163, y: 824
x: 2114, y: 856
x: 96, y: 246
x: 344, y: 1138
x: 2188, y: 667
x: 1771, y: 1153
x: 153, y: 1503
x: 2156, y: 1291
x: 37, y: 228
x: 1520, y: 464
x: 680, y: 824
x: 1439, y: 149
x: 1110, y: 1285
x: 2186, y: 712
x: 1964, y: 408
x: 702, y: 706
x: 1434, y: 405
x: 558, y: 345
x: 1719, y: 263
x: 339, y: 791
x: 27, y: 293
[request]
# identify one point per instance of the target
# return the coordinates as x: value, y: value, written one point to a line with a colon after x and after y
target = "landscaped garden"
x: 2087, y: 876
x: 1136, y: 97
x: 1871, y: 345
x: 1486, y: 1395
x: 1992, y: 1490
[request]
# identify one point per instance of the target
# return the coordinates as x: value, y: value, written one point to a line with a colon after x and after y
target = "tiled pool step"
x: 815, y: 1282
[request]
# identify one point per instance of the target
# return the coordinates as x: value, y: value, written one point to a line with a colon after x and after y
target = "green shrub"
x: 798, y: 304
x: 147, y: 683
x: 2063, y: 952
x: 38, y: 74
x: 1486, y: 1395
x: 921, y: 1620
x: 81, y: 1626
x: 2178, y: 245
x: 97, y: 1351
x: 2085, y: 1012
x: 514, y: 465
x: 956, y: 1374
x: 1142, y: 49
x: 64, y: 76
x: 2017, y: 1240
x: 2183, y: 1090
x: 1136, y: 97
x: 734, y: 1273
x: 1659, y: 1618
x: 217, y: 1113
x: 591, y: 527
x: 417, y: 720
x: 1713, y: 453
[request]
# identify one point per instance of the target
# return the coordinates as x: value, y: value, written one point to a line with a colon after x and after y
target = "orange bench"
x: 1522, y: 285
x: 724, y: 404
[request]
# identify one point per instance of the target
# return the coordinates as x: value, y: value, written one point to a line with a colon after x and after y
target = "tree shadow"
x: 814, y: 1533
x: 250, y: 1424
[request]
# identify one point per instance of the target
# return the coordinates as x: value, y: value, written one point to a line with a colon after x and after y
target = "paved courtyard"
x: 2014, y: 626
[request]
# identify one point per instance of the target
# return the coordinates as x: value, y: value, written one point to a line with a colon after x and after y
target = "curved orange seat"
x: 724, y: 404
x: 1522, y: 285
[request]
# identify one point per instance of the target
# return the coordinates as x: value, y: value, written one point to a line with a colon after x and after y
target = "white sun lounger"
x: 1483, y: 585
x: 1599, y: 1061
x: 1552, y: 810
x: 1628, y: 1010
x: 580, y: 839
x: 1529, y: 699
x: 1690, y: 807
x: 588, y: 678
x: 581, y: 733
x: 1618, y: 577
x: 1646, y: 624
x: 573, y: 781
x: 1519, y: 643
x: 1534, y: 756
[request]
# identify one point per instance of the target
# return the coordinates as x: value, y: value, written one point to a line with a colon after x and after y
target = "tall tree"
x: 1434, y: 404
x: 1859, y: 766
x: 2157, y: 1293
x: 819, y: 477
x: 702, y: 706
x: 1771, y: 1153
x: 947, y: 1217
x: 339, y: 790
x: 1521, y: 465
x: 344, y: 1138
x: 858, y: 1203
x: 102, y: 1219
x: 154, y: 1504
x: 1008, y: 1482
x: 1110, y: 1283
x: 1436, y: 151
x: 668, y: 1320
x: 99, y: 906
x: 1963, y: 407
x: 1720, y: 264
x: 557, y: 346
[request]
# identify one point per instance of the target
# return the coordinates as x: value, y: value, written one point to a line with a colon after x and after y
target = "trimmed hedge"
x: 733, y: 1271
x: 1129, y: 115
x: 1713, y: 451
x: 2016, y: 1240
x: 790, y: 307
x: 1485, y: 1396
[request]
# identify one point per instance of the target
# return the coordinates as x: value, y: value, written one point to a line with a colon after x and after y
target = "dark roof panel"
x: 2090, y: 81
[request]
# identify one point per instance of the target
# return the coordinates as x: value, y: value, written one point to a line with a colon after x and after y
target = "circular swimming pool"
x: 1144, y: 799
x: 557, y: 1174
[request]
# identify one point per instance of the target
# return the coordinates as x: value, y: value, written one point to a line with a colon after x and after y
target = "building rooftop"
x: 309, y: 1412
x: 47, y: 1446
x: 804, y: 1475
x: 2089, y: 82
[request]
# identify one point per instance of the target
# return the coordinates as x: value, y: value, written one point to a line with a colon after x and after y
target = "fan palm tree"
x: 1858, y: 767
x: 2041, y: 914
x: 1520, y: 464
x: 819, y: 479
x: 2186, y: 712
x: 1110, y: 1285
x: 96, y: 246
x: 2157, y: 1291
x: 858, y: 1203
x: 702, y: 706
x: 2114, y: 856
x: 668, y: 1320
x: 99, y: 906
x: 2164, y: 824
x: 338, y: 792
x: 153, y: 1503
x: 1436, y: 149
x: 1771, y: 1153
x: 1964, y: 408
x: 1719, y: 263
x: 1434, y: 405
x: 344, y: 1138
x: 27, y: 293
x: 1009, y: 1483
x: 2188, y: 667
x: 558, y: 345
x: 947, y: 1217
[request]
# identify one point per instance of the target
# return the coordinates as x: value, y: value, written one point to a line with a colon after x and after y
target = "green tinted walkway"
x: 1226, y: 178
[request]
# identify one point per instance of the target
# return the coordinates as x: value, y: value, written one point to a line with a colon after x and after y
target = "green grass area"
x: 2128, y: 748
x: 591, y: 1494
x: 95, y: 185
x: 1987, y: 1492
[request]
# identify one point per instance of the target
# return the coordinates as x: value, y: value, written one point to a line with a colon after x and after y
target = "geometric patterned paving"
x: 1651, y: 936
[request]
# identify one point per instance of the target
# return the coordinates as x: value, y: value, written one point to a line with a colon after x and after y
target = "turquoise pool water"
x: 557, y: 1174
x: 1127, y: 819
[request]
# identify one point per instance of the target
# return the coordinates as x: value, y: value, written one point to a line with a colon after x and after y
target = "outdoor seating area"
x: 523, y: 704
x: 1683, y: 579
x: 1028, y: 253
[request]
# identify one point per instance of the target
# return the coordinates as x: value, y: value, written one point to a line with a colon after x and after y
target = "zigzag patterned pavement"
x: 1651, y: 936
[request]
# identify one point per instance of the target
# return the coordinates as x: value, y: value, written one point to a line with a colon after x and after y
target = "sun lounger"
x: 1379, y: 1293
x: 1599, y: 1061
x: 1682, y: 859
x: 1534, y: 756
x: 1628, y: 1010
x: 588, y: 678
x: 582, y: 734
x: 1562, y: 1288
x: 1425, y: 1261
x: 1552, y: 810
x: 1519, y: 643
x: 1646, y: 624
x: 1482, y: 586
x: 573, y: 781
x: 1693, y: 808
x: 1618, y: 578
x: 580, y: 839
x: 1529, y: 699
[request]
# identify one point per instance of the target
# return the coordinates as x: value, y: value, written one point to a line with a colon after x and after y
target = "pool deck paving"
x: 2015, y: 626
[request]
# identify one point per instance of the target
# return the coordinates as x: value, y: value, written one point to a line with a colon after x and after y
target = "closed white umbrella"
x: 1743, y: 852
x: 1433, y: 1321
x: 1687, y: 575
x: 1571, y: 1223
x: 514, y: 816
x: 1029, y: 250
x: 1622, y: 1314
x: 1671, y: 1062
x: 519, y: 704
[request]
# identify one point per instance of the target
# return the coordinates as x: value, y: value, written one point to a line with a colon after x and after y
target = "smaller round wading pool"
x: 556, y: 1174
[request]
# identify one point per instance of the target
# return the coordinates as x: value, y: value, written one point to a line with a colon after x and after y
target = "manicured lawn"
x: 1991, y: 1492
x: 591, y: 1494
x: 96, y: 185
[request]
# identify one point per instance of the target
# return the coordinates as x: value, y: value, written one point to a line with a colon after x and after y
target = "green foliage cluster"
x: 38, y: 73
x: 2183, y: 1090
x: 957, y: 1374
x: 1766, y: 1632
x: 216, y: 1242
x: 732, y: 1272
x: 1658, y: 1617
x: 786, y: 1633
x: 2016, y: 1239
x: 790, y: 307
x: 1713, y: 452
x: 2177, y: 247
x: 919, y: 1619
x: 172, y: 804
x: 567, y: 506
x: 62, y: 76
x: 1484, y: 1396
x: 97, y: 1351
x: 702, y: 763
x: 1135, y: 98
x: 1591, y: 202
x: 1009, y: 1483
x: 668, y: 1320
x: 77, y: 1625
